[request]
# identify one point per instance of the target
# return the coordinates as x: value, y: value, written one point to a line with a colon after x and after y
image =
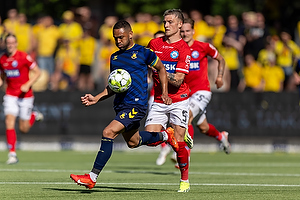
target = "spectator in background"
x: 231, y: 57
x: 12, y: 21
x: 210, y: 31
x: 252, y: 75
x: 87, y: 50
x: 47, y: 41
x: 273, y: 75
x: 287, y: 53
x: 66, y: 68
x: 267, y: 53
x: 297, y: 34
x: 70, y: 30
x: 87, y: 21
x: 220, y: 30
x: 144, y: 28
x: 105, y: 31
x: 200, y: 26
x: 24, y: 34
x: 2, y: 36
x: 256, y: 33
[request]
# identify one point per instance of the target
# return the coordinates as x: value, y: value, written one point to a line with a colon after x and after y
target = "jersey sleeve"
x: 184, y: 60
x: 30, y: 62
x: 150, y: 57
x: 211, y: 51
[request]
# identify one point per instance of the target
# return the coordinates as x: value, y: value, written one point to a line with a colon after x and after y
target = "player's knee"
x: 108, y: 133
x: 132, y: 144
x: 203, y: 128
x: 24, y: 128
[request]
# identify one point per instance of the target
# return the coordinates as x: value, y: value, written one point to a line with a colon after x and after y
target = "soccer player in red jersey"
x: 197, y: 79
x: 15, y: 66
x: 175, y: 54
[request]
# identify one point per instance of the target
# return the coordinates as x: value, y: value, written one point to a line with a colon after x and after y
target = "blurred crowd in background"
x: 257, y: 58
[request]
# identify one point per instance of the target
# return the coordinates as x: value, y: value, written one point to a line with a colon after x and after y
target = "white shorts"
x: 176, y: 113
x: 198, y: 103
x: 21, y: 107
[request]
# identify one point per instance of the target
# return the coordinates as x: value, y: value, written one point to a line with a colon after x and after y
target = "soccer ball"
x: 119, y: 80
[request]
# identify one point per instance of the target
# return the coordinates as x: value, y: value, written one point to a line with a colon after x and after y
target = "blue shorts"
x: 130, y: 116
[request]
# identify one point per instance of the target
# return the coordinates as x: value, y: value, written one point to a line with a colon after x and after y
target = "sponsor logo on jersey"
x: 174, y: 54
x: 194, y: 65
x: 14, y: 63
x: 170, y: 66
x: 195, y: 54
x: 115, y: 57
x: 122, y: 116
x: 132, y: 113
x: 12, y: 73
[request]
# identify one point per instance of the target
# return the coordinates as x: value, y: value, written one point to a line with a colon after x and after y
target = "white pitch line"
x: 145, y: 172
x: 195, y: 184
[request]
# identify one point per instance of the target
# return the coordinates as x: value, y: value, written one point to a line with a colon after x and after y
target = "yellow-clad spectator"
x: 12, y: 21
x: 200, y: 27
x: 144, y: 28
x: 252, y: 75
x: 210, y: 31
x: 87, y: 49
x: 70, y: 30
x: 24, y: 35
x: 220, y: 30
x: 36, y: 28
x: 66, y: 68
x: 2, y: 36
x: 105, y: 52
x: 47, y: 40
x: 231, y: 57
x: 287, y: 52
x: 105, y: 31
x: 266, y: 54
x: 273, y: 76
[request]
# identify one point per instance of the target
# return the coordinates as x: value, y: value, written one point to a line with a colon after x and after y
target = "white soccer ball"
x: 119, y: 80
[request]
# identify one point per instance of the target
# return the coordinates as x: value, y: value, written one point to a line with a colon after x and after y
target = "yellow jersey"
x: 68, y: 59
x: 47, y: 40
x: 253, y: 75
x: 87, y: 48
x: 24, y: 36
x: 273, y: 77
x: 230, y: 56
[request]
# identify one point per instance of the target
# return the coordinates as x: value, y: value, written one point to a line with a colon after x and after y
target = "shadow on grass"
x: 104, y: 189
x: 144, y: 172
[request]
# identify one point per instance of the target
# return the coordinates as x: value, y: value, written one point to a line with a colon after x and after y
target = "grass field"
x: 134, y: 175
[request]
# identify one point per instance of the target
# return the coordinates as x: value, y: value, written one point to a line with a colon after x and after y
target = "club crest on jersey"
x: 195, y: 54
x: 14, y: 63
x: 174, y: 54
x: 134, y: 55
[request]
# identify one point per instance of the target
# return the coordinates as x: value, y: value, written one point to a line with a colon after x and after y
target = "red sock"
x: 183, y: 161
x: 32, y: 119
x: 11, y: 138
x: 191, y: 131
x: 213, y: 132
x: 163, y: 145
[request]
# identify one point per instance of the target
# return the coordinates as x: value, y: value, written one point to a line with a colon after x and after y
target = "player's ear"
x: 130, y: 35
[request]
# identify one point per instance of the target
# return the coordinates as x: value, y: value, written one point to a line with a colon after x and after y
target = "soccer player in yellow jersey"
x: 87, y: 49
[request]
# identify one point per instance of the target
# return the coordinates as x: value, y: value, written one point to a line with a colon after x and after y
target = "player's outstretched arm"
x: 89, y: 99
x: 163, y: 81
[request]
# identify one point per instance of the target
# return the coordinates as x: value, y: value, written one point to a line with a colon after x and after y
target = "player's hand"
x: 88, y: 100
x: 166, y: 99
x: 25, y: 88
x: 219, y: 82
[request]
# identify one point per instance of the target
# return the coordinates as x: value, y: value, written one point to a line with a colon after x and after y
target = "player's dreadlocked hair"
x: 122, y: 24
x: 177, y: 12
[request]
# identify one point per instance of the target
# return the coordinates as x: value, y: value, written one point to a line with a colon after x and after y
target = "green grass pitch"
x: 134, y: 175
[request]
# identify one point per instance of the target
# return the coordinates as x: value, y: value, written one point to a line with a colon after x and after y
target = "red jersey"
x: 176, y: 58
x: 16, y: 69
x: 197, y: 79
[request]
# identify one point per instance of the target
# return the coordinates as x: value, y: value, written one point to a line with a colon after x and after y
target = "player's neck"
x: 191, y: 42
x: 10, y: 54
x: 173, y: 38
